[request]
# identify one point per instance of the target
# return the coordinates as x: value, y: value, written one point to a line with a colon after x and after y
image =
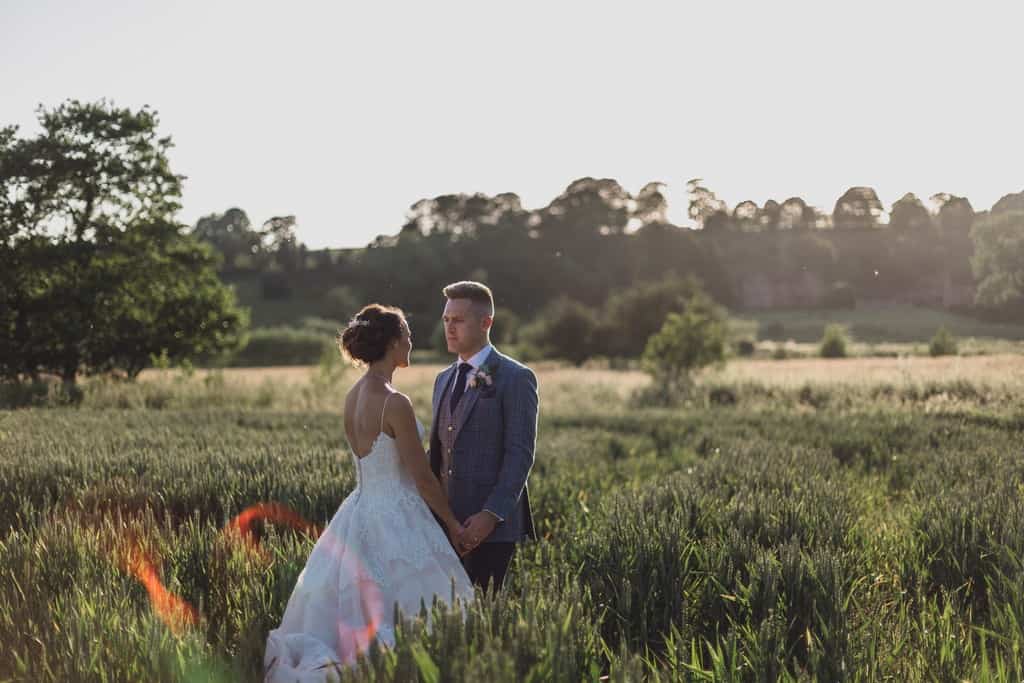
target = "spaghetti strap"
x: 382, y: 411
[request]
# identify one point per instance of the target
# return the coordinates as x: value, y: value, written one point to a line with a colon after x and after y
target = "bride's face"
x: 403, y: 347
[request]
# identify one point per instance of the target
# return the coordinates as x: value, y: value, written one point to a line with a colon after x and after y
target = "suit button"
x: 451, y: 428
x: 450, y: 473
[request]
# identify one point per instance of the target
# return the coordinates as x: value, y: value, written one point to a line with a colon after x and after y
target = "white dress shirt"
x: 476, y: 360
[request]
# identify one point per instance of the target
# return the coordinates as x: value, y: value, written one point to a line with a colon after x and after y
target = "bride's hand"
x: 456, y: 533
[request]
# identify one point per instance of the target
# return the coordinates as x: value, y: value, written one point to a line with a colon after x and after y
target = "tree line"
x: 98, y: 274
x: 592, y: 244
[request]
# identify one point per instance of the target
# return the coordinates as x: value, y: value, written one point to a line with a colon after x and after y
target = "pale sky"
x: 346, y: 113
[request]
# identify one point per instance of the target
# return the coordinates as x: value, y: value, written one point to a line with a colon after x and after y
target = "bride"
x: 383, y: 547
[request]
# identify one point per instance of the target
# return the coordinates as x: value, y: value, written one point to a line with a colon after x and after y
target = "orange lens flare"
x: 175, y: 612
x: 273, y: 512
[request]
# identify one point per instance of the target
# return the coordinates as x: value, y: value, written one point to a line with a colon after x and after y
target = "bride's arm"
x: 399, y: 414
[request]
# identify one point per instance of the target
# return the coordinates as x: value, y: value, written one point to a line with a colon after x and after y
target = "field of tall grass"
x: 858, y: 520
x: 877, y: 325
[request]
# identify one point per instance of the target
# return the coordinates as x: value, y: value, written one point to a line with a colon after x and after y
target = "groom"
x: 483, y: 436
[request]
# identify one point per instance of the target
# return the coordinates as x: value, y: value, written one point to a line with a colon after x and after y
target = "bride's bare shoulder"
x: 353, y: 393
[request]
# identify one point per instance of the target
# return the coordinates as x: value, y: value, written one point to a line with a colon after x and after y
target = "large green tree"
x: 98, y: 276
x: 998, y: 259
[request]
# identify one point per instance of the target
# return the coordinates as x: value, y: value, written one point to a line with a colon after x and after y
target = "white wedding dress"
x: 382, y: 547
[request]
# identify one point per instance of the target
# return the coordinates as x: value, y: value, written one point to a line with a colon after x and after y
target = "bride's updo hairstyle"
x: 368, y: 335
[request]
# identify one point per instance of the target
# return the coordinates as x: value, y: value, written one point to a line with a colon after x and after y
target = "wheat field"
x: 829, y: 520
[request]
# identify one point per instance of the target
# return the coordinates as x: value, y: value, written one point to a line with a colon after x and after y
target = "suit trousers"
x: 488, y: 564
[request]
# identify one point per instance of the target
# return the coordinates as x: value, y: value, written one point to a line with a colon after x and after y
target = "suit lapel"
x: 465, y: 407
x: 439, y: 397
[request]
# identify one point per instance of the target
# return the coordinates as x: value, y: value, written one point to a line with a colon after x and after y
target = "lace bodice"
x: 381, y: 468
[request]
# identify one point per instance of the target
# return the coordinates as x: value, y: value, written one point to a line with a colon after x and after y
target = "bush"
x: 506, y: 324
x: 325, y: 326
x: 283, y: 346
x: 564, y: 329
x: 745, y: 347
x: 686, y: 342
x: 633, y: 314
x: 833, y: 343
x: 943, y: 343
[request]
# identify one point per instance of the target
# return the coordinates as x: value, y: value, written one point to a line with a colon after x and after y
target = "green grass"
x: 906, y: 324
x: 808, y: 533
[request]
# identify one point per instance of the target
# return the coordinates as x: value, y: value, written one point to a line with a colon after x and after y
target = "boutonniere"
x: 483, y: 377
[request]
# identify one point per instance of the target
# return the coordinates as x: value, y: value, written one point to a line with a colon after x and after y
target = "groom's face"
x: 465, y: 328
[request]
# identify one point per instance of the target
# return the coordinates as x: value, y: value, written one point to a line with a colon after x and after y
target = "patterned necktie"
x: 460, y: 385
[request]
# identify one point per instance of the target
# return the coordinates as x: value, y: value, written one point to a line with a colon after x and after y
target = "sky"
x: 346, y: 113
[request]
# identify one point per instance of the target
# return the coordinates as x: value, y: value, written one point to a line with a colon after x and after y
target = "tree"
x: 769, y: 215
x: 232, y: 235
x: 909, y: 213
x: 1009, y: 202
x: 998, y: 259
x: 589, y: 207
x: 858, y: 208
x: 704, y: 204
x: 795, y: 214
x: 651, y: 204
x: 564, y: 329
x: 635, y: 313
x: 719, y: 221
x: 101, y: 276
x: 955, y: 214
x: 282, y: 244
x: 454, y: 215
x: 745, y: 216
x: 93, y: 170
x: 686, y: 342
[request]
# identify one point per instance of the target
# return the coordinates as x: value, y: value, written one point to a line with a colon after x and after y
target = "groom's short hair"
x: 477, y: 292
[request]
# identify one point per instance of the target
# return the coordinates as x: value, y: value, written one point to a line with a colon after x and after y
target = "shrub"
x: 686, y: 342
x: 833, y: 343
x: 565, y: 329
x: 631, y: 315
x: 943, y: 343
x: 283, y: 346
x: 745, y: 347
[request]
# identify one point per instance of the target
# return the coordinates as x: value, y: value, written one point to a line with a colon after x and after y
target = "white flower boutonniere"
x: 482, y: 377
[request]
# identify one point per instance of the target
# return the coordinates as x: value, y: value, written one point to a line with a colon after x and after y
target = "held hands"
x: 478, y: 527
x: 456, y: 532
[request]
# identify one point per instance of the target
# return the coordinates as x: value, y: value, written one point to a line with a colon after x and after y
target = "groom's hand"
x: 478, y: 528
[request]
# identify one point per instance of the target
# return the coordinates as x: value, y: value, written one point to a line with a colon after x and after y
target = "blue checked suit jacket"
x: 495, y: 437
